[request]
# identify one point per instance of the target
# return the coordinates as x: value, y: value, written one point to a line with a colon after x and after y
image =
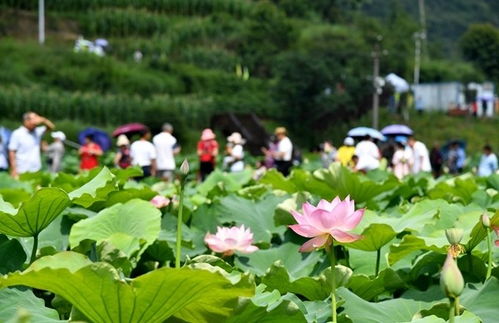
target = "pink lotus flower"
x: 496, y: 229
x: 160, y: 201
x: 229, y: 240
x: 327, y: 221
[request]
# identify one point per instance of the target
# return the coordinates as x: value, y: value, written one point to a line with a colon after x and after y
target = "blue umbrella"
x: 365, y: 131
x: 397, y: 130
x: 98, y: 136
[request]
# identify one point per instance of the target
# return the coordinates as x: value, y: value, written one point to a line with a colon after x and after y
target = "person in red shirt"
x: 207, y: 153
x: 89, y: 154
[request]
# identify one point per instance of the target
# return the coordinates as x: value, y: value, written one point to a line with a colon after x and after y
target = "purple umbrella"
x: 397, y: 130
x: 129, y: 129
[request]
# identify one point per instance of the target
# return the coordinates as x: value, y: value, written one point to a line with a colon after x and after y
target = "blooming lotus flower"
x: 160, y: 201
x: 229, y: 240
x: 327, y: 221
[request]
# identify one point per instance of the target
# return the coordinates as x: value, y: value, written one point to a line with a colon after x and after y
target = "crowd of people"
x: 403, y: 155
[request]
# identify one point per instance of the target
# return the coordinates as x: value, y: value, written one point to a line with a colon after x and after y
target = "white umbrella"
x: 397, y: 82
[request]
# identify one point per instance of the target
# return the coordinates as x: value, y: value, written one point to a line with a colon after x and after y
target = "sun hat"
x: 207, y: 134
x: 58, y: 135
x: 236, y: 138
x: 280, y: 131
x: 348, y: 141
x: 122, y: 141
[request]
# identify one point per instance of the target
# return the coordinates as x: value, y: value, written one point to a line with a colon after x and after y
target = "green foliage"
x: 97, y: 291
x: 480, y: 45
x: 21, y: 306
x: 445, y: 71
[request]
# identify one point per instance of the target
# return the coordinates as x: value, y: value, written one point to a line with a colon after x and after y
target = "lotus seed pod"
x: 454, y: 235
x: 451, y: 279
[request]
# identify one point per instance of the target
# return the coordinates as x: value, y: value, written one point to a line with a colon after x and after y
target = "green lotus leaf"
x: 395, y: 310
x: 98, y: 292
x: 33, y: 215
x: 277, y: 310
x: 481, y: 299
x: 12, y: 255
x: 95, y: 190
x: 297, y: 264
x: 256, y: 215
x: 369, y: 288
x: 129, y: 227
x: 374, y: 237
x: 313, y: 288
x: 228, y: 182
x: 24, y: 306
x: 411, y: 243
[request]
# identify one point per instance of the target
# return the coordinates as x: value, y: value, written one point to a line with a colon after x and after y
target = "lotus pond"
x: 321, y: 246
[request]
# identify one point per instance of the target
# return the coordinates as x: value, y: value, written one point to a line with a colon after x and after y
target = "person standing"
x: 436, y: 160
x: 4, y: 163
x: 89, y: 154
x: 402, y: 161
x: 144, y: 154
x: 368, y: 154
x: 123, y: 158
x: 346, y: 152
x: 55, y: 151
x: 24, y: 145
x: 488, y: 162
x: 456, y: 158
x: 207, y: 150
x: 166, y: 148
x: 284, y: 152
x: 235, y: 152
x: 328, y: 153
x: 420, y: 156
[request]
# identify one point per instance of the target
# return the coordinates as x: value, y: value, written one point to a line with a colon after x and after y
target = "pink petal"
x: 305, y: 230
x: 324, y: 220
x: 314, y: 243
x: 497, y: 243
x: 353, y: 220
x: 249, y: 249
x: 299, y: 217
x: 307, y: 209
x: 345, y: 237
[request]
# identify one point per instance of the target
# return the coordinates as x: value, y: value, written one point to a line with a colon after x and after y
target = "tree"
x: 480, y: 45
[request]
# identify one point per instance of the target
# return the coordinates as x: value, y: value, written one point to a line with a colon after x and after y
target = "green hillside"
x: 306, y: 65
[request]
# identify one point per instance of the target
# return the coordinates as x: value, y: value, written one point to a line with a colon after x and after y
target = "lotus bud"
x: 454, y: 235
x: 184, y: 168
x: 451, y: 279
x: 342, y: 275
x: 485, y: 220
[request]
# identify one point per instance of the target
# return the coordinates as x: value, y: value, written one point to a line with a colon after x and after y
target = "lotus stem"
x: 378, y: 258
x: 178, y: 254
x: 489, y: 244
x: 452, y: 309
x: 35, y: 248
x: 333, y: 282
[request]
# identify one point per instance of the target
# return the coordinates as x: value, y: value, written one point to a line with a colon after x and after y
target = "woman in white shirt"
x: 235, y: 152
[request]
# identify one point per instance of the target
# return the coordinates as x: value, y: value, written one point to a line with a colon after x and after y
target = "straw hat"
x: 207, y: 134
x: 280, y: 131
x: 58, y: 135
x: 122, y: 141
x: 236, y: 138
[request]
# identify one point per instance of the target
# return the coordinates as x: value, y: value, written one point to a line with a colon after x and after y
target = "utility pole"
x: 422, y: 24
x: 41, y: 21
x: 418, y: 37
x: 376, y: 53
